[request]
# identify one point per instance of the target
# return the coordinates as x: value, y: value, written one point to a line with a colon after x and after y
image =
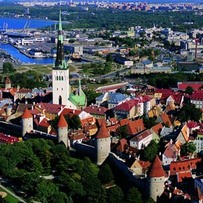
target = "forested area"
x: 110, y: 19
x: 27, y: 166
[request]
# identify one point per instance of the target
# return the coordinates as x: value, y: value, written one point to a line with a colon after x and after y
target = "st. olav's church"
x: 60, y: 79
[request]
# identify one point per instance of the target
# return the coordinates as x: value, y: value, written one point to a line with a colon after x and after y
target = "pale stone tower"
x: 156, y: 179
x: 7, y: 83
x: 60, y: 72
x: 27, y: 122
x: 63, y: 131
x: 103, y: 143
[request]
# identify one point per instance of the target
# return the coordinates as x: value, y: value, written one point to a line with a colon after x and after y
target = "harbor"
x: 20, y: 57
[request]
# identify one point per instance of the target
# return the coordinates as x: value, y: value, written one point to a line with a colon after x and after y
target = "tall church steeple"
x: 60, y: 62
x: 60, y: 73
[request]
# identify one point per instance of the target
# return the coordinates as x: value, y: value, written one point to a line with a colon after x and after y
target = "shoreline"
x: 18, y: 61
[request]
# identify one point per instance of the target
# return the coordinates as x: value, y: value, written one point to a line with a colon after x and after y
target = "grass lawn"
x: 9, y: 198
x: 41, y: 69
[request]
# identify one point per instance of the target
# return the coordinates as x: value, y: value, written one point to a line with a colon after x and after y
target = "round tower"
x: 7, y: 83
x: 63, y: 131
x: 27, y: 122
x: 103, y: 143
x: 156, y: 179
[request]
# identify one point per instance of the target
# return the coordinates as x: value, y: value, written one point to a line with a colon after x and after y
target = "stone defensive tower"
x: 103, y: 143
x: 156, y: 179
x: 63, y: 131
x: 27, y: 122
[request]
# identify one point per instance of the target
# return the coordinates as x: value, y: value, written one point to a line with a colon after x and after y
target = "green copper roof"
x: 78, y: 100
x: 60, y: 23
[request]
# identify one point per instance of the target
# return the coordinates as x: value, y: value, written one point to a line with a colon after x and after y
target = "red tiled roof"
x: 165, y: 93
x: 192, y: 124
x: 122, y: 144
x: 156, y: 128
x: 182, y: 175
x: 102, y: 132
x: 127, y: 105
x: 124, y: 121
x: 62, y: 122
x: 24, y: 91
x: 168, y: 91
x: 52, y: 108
x: 141, y: 135
x: 144, y: 98
x: 135, y: 126
x: 90, y: 127
x: 156, y: 169
x: 197, y: 95
x: 165, y: 119
x: 13, y: 91
x: 77, y: 135
x: 26, y: 114
x: 95, y: 110
x: 44, y: 122
x: 4, y: 138
x: 195, y: 85
x: 67, y: 111
x: 144, y: 164
x: 87, y: 121
x: 111, y: 87
x: 177, y: 97
x: 170, y: 151
x: 113, y: 128
x: 181, y: 166
x: 113, y: 120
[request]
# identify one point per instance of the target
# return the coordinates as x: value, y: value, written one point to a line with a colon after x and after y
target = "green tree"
x: 91, y: 95
x: 149, y: 122
x: 115, y: 194
x: 189, y: 112
x: 8, y: 67
x: 109, y: 58
x: 122, y: 131
x: 132, y: 53
x: 46, y: 190
x: 187, y: 149
x: 189, y: 90
x: 150, y: 151
x: 60, y: 161
x: 134, y: 196
x: 105, y: 174
x: 41, y: 148
x: 72, y: 120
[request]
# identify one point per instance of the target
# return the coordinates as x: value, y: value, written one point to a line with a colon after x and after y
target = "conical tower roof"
x: 156, y: 169
x: 62, y: 122
x: 26, y: 114
x: 102, y: 132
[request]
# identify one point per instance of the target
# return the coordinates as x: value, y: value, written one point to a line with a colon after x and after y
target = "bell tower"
x: 60, y: 72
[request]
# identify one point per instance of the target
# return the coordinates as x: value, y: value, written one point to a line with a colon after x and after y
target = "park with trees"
x: 47, y: 172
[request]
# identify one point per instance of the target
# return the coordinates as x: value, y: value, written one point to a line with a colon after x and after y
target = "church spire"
x: 60, y: 62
